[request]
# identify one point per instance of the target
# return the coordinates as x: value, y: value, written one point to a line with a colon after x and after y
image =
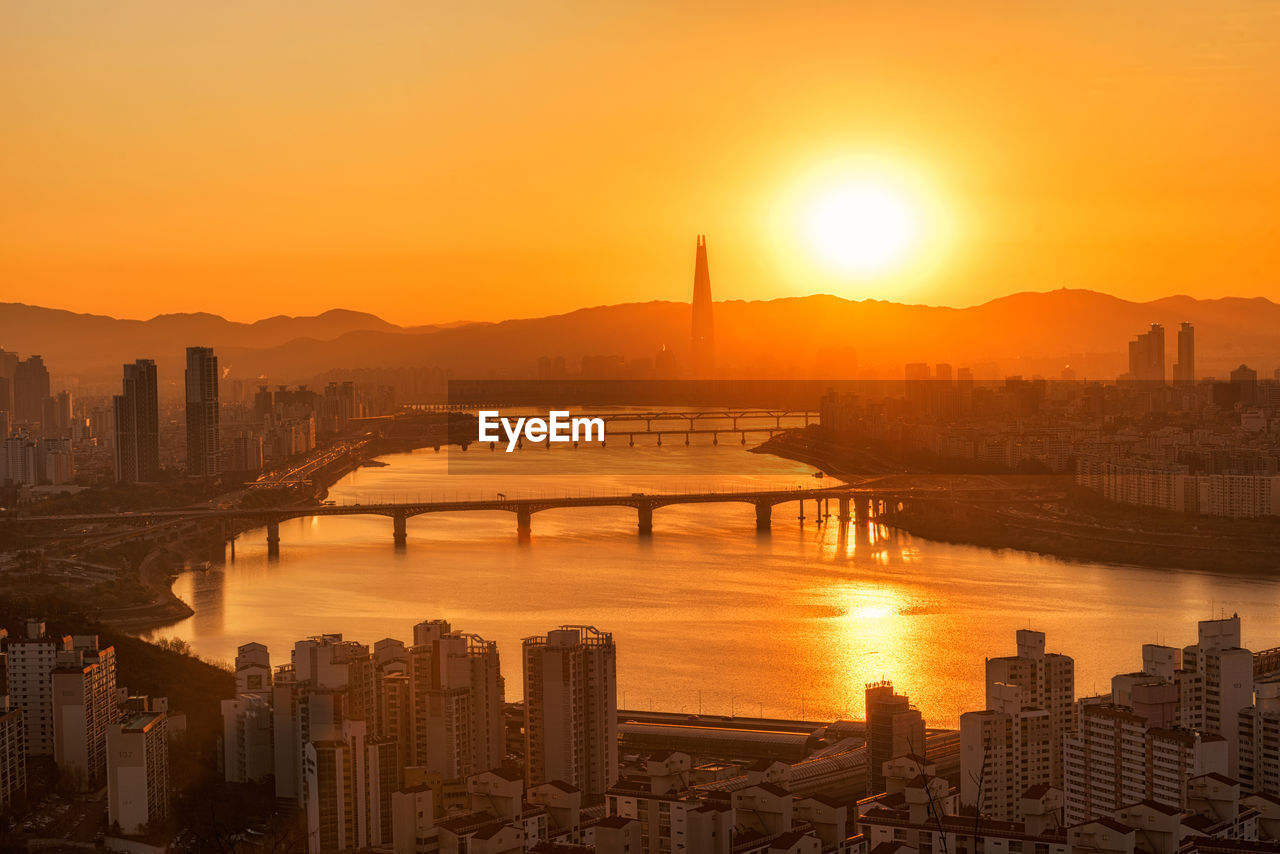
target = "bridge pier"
x: 400, y: 529
x: 764, y: 516
x: 644, y: 513
x: 273, y: 539
x: 524, y: 524
x: 842, y: 509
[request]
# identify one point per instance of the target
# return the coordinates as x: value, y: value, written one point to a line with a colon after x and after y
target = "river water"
x: 707, y: 615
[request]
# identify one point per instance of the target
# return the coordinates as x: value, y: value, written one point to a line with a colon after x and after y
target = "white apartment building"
x: 1043, y: 681
x: 247, y: 752
x: 571, y: 708
x: 1117, y: 757
x: 84, y: 704
x: 670, y: 818
x: 1004, y: 752
x: 456, y: 728
x: 350, y: 783
x: 1259, y: 740
x: 31, y: 661
x: 1216, y: 682
x: 138, y: 772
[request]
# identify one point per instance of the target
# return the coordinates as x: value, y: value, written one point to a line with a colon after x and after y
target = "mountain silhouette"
x: 812, y: 336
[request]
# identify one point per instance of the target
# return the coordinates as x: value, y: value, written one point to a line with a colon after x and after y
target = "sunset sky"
x: 432, y: 161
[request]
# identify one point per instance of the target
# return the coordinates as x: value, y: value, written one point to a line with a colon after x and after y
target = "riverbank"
x: 156, y: 575
x: 1063, y: 521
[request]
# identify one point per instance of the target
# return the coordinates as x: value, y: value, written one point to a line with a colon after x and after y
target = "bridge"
x: 854, y: 504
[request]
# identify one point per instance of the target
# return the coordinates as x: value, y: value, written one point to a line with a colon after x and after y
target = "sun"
x: 863, y: 227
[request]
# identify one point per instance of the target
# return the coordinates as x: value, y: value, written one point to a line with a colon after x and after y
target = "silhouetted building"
x: 1184, y: 370
x: 1245, y: 379
x: 8, y: 376
x: 30, y: 389
x: 203, y: 449
x: 894, y: 729
x: 1146, y: 355
x: 137, y: 413
x: 704, y: 348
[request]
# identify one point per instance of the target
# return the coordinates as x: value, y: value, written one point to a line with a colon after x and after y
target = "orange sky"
x: 433, y: 161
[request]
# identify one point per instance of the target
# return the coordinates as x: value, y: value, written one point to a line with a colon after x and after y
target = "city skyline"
x: 243, y: 187
x: 381, y: 473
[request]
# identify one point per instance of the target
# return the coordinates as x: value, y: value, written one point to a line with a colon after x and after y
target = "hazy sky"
x: 433, y: 161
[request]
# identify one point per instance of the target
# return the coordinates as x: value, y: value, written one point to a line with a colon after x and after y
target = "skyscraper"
x: 1184, y: 370
x: 137, y: 412
x: 1146, y: 355
x: 30, y: 388
x: 202, y: 412
x: 8, y: 376
x: 704, y: 347
x: 571, y: 708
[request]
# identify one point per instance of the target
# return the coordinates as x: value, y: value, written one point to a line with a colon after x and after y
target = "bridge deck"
x: 533, y: 504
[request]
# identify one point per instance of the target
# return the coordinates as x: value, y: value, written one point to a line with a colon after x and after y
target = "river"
x: 707, y: 615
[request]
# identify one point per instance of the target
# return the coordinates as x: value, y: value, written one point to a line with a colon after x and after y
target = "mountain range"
x: 815, y: 336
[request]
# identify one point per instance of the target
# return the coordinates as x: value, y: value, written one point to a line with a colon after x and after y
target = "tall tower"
x: 1185, y: 369
x: 704, y: 345
x: 137, y: 415
x: 202, y: 412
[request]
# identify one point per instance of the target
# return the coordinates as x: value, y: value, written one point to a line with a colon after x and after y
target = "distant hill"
x: 92, y: 347
x: 802, y: 336
x: 812, y: 336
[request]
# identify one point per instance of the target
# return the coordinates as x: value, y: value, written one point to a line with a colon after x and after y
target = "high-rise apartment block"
x: 203, y: 446
x: 349, y: 783
x: 247, y: 752
x: 1258, y: 740
x: 458, y: 692
x: 137, y: 420
x: 13, y: 753
x: 1216, y: 682
x: 571, y: 708
x: 31, y: 661
x: 894, y: 728
x: 1184, y: 370
x: 1044, y: 681
x: 1118, y: 758
x: 1006, y: 752
x: 1146, y: 356
x: 138, y: 772
x: 84, y: 705
x: 1180, y: 716
x: 30, y: 389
